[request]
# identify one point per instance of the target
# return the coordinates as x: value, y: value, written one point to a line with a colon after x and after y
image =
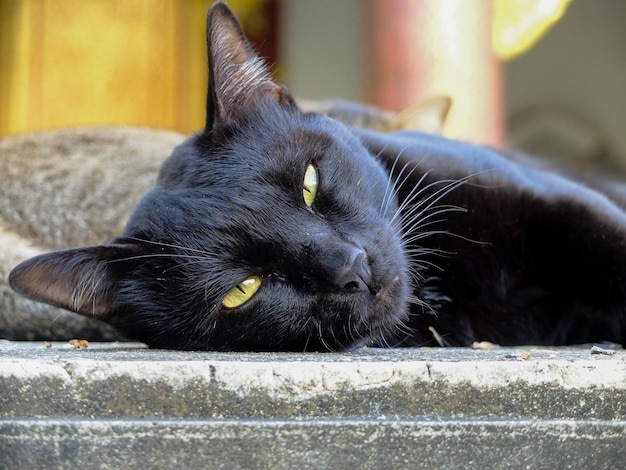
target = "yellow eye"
x: 309, y: 187
x: 242, y: 292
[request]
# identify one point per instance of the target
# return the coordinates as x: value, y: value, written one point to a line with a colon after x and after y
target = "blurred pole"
x: 421, y: 48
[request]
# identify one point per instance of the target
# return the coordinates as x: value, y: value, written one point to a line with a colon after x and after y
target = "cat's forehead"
x: 255, y: 178
x: 275, y: 148
x: 277, y: 153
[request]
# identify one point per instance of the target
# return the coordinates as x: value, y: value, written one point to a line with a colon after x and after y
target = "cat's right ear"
x: 237, y: 75
x: 84, y: 280
x: 428, y: 116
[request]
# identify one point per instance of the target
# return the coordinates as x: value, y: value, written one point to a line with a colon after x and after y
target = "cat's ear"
x: 428, y: 116
x: 83, y: 280
x: 237, y: 75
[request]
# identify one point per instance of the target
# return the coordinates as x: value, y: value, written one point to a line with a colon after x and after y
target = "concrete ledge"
x: 117, y: 405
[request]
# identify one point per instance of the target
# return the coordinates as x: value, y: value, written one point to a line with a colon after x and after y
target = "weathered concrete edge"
x: 312, y: 443
x: 366, y: 384
x: 289, y: 376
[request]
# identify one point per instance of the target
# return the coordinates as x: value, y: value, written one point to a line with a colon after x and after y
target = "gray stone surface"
x: 118, y: 405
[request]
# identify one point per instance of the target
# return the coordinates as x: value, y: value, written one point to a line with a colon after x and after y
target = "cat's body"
x: 275, y: 229
x: 533, y: 257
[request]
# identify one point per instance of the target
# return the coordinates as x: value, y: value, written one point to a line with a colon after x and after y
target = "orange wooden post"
x: 421, y: 48
x: 65, y: 63
x: 114, y: 62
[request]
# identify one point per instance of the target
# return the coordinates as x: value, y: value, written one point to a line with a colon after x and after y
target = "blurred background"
x: 544, y: 76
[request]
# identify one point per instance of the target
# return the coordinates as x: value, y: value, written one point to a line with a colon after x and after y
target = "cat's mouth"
x: 387, y: 313
x: 382, y: 296
x: 368, y: 316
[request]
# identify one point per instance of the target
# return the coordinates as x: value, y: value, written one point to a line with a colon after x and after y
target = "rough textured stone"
x: 117, y: 405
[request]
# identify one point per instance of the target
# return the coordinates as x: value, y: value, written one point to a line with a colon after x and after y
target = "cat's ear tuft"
x: 237, y: 75
x: 83, y: 280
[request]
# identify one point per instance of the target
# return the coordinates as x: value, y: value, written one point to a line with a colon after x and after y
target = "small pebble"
x: 599, y: 350
x: 79, y: 343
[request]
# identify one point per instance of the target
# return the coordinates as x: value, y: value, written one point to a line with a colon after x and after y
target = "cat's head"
x: 269, y: 230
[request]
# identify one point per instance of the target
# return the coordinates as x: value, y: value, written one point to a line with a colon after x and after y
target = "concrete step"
x: 116, y: 405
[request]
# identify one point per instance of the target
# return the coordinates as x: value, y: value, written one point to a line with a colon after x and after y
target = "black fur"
x: 532, y: 257
x: 410, y: 235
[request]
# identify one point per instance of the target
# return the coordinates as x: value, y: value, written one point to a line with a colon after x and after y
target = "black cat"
x: 274, y: 229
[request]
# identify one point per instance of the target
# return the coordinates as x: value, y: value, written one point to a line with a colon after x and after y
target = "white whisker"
x: 168, y: 245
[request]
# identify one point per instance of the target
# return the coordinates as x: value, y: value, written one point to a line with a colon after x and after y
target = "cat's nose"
x: 340, y: 264
x: 355, y: 273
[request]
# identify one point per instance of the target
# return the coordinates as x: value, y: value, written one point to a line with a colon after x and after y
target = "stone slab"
x: 120, y: 405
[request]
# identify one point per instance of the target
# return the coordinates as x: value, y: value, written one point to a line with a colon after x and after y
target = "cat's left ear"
x: 238, y: 77
x: 84, y: 280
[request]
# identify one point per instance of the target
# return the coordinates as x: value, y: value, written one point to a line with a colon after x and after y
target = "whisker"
x: 411, y: 207
x: 321, y: 337
x: 419, y: 224
x: 417, y: 188
x: 157, y: 255
x: 168, y: 245
x: 306, y: 344
x: 412, y: 193
x: 389, y: 189
x: 425, y: 306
